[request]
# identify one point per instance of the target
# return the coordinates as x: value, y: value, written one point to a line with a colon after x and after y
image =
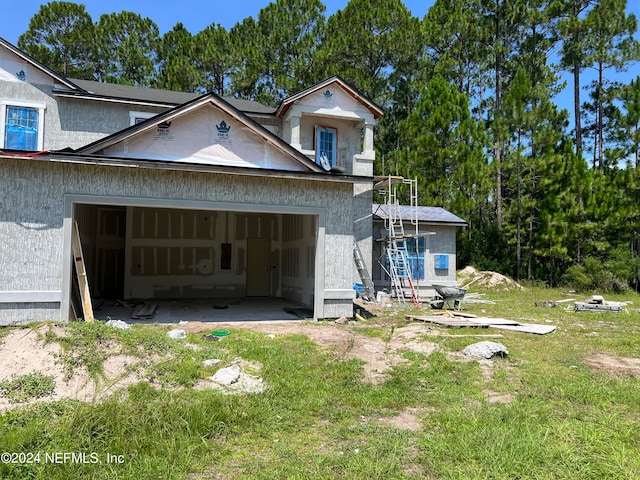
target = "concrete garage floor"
x: 175, y: 311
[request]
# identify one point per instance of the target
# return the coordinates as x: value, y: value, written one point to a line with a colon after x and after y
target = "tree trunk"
x: 599, y: 119
x: 498, y: 141
x: 519, y: 212
x: 576, y: 108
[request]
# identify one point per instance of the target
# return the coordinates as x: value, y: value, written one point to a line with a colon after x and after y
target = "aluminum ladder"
x: 369, y: 290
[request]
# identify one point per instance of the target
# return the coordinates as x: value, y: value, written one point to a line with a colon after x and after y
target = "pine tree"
x: 60, y: 35
x: 610, y: 45
x: 245, y: 45
x: 574, y: 29
x: 630, y: 96
x: 292, y: 32
x: 443, y: 146
x: 214, y: 58
x: 176, y: 63
x: 126, y: 48
x: 365, y: 42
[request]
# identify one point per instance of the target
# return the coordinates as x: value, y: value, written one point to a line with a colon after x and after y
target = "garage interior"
x: 195, y: 264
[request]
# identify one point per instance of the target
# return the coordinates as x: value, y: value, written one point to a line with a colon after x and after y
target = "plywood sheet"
x: 528, y: 328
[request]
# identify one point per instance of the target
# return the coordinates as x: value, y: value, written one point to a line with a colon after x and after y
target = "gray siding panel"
x: 23, y: 313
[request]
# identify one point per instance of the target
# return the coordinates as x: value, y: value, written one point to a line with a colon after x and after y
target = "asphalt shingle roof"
x: 433, y: 215
x: 113, y: 90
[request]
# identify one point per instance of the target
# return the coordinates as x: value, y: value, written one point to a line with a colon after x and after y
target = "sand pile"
x: 469, y: 276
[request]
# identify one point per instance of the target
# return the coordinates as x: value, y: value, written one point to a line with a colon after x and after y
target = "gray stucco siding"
x: 30, y: 228
x: 69, y: 122
x: 82, y: 122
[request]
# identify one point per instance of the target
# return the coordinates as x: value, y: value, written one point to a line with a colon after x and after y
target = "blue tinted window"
x: 326, y: 139
x: 21, y: 128
x: 415, y: 258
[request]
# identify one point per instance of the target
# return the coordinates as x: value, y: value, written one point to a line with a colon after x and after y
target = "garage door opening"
x: 203, y: 260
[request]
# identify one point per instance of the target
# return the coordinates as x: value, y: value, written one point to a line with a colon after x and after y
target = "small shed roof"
x: 431, y: 215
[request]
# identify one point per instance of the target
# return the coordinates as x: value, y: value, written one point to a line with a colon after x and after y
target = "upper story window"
x: 22, y: 125
x: 139, y: 117
x: 326, y: 147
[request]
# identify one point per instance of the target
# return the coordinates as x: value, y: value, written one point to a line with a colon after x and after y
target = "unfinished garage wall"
x: 170, y: 253
x: 177, y: 253
x: 298, y: 258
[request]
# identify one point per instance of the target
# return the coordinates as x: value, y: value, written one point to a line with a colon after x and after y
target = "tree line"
x: 469, y: 93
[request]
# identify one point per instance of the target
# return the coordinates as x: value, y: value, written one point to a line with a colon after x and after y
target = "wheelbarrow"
x: 448, y: 296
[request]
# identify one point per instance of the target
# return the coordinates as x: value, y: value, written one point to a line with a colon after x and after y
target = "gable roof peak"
x: 36, y: 64
x: 166, y: 118
x: 375, y: 109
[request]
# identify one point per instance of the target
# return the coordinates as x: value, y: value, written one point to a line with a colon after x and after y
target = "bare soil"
x: 613, y: 365
x: 23, y: 351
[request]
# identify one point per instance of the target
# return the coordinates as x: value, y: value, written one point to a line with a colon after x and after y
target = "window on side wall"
x: 415, y: 257
x: 139, y: 117
x: 326, y: 147
x: 22, y: 125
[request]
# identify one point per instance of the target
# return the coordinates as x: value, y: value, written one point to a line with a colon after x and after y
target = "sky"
x: 196, y: 15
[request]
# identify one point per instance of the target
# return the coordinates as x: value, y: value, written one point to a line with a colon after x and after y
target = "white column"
x: 368, y: 138
x: 295, y: 132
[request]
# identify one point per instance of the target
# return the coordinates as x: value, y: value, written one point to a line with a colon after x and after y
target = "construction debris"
x: 527, y: 328
x: 118, y: 324
x: 454, y: 313
x: 487, y: 335
x: 597, y: 303
x: 547, y: 304
x: 177, y: 334
x: 455, y: 319
x: 144, y: 311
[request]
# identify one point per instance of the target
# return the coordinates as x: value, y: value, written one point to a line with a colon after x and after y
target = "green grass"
x: 30, y: 386
x: 318, y: 420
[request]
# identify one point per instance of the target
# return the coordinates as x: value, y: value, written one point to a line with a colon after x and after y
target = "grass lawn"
x: 560, y: 406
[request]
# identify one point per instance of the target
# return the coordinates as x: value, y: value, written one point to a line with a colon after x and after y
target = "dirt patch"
x: 24, y: 351
x: 377, y: 354
x: 408, y: 419
x: 615, y: 366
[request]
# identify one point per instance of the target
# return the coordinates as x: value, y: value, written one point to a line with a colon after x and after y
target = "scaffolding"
x: 398, y: 266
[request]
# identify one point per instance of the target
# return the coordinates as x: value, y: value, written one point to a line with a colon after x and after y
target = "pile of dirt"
x: 24, y: 351
x: 469, y: 276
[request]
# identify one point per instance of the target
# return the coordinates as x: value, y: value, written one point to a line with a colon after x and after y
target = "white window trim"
x: 134, y: 115
x: 8, y: 102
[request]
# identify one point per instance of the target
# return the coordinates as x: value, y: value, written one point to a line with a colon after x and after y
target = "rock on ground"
x: 177, y: 333
x: 485, y: 350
